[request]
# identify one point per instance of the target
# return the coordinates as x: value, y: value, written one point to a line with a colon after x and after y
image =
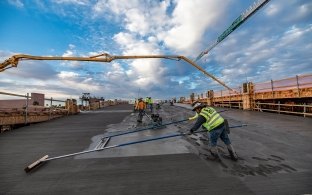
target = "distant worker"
x: 135, y: 105
x: 141, y: 108
x: 146, y: 102
x: 158, y: 106
x: 150, y: 104
x: 209, y: 118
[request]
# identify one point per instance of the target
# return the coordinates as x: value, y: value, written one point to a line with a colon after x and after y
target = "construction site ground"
x: 274, y: 155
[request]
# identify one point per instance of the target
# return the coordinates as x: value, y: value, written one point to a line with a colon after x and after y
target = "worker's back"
x: 141, y: 105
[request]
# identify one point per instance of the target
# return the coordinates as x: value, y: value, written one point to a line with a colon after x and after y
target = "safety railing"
x: 27, y: 108
x: 232, y: 104
x: 226, y: 93
x: 297, y: 82
x: 305, y: 110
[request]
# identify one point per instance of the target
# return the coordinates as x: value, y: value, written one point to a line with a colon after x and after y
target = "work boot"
x: 214, y: 152
x: 232, y: 152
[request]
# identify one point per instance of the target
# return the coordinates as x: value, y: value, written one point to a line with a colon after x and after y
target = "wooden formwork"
x: 250, y: 98
x: 31, y: 118
x: 11, y: 118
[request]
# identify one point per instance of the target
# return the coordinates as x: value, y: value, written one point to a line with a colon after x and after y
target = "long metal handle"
x: 143, y: 129
x: 129, y: 143
x: 117, y: 145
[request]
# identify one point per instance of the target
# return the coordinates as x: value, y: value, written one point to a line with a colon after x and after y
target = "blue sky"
x: 274, y: 43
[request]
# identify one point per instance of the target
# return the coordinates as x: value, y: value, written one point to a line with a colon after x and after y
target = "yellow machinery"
x: 13, y: 61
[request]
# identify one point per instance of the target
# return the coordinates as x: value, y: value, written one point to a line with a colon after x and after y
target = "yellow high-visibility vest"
x: 213, y: 118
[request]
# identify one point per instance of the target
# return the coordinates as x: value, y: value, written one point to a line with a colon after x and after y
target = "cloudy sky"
x: 274, y: 43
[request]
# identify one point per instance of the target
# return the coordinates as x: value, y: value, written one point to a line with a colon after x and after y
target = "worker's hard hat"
x: 197, y: 105
x: 194, y: 103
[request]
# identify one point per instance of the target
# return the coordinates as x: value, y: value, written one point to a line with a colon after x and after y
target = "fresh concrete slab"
x: 274, y: 150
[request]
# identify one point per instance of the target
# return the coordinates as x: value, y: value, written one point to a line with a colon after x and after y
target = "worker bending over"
x: 141, y: 108
x: 209, y: 118
x: 196, y: 115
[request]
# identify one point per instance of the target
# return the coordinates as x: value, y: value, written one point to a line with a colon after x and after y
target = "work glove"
x: 191, y: 132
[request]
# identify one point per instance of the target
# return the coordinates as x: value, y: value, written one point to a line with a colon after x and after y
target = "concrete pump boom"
x: 239, y: 21
x: 13, y: 61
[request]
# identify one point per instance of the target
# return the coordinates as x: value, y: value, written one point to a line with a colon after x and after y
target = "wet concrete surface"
x: 274, y: 156
x: 174, y: 145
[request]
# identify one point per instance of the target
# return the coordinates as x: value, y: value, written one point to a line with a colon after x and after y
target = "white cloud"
x: 116, y: 73
x: 264, y: 58
x: 76, y: 2
x: 68, y: 53
x: 189, y: 25
x: 273, y: 9
x: 78, y: 82
x: 71, y: 52
x: 16, y: 3
x: 66, y: 75
x: 294, y: 34
x: 136, y: 22
x: 34, y: 70
x: 180, y: 32
x: 143, y: 72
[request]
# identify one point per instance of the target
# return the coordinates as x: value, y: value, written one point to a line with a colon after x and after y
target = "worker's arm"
x: 137, y: 106
x: 193, y: 117
x: 200, y: 120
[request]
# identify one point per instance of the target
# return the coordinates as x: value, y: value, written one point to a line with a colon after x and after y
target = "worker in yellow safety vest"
x: 150, y: 104
x: 211, y: 120
x: 196, y: 115
x: 146, y: 102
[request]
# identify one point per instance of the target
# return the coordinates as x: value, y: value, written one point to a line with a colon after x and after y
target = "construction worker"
x: 135, y: 105
x: 146, y: 102
x: 209, y: 118
x: 196, y: 115
x: 141, y: 108
x: 150, y: 103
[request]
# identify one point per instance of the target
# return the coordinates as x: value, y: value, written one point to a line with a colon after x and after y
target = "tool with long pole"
x: 46, y: 158
x: 153, y: 127
x: 144, y: 129
x: 149, y: 128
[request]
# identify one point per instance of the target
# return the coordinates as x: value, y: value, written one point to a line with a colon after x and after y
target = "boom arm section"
x: 13, y: 61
